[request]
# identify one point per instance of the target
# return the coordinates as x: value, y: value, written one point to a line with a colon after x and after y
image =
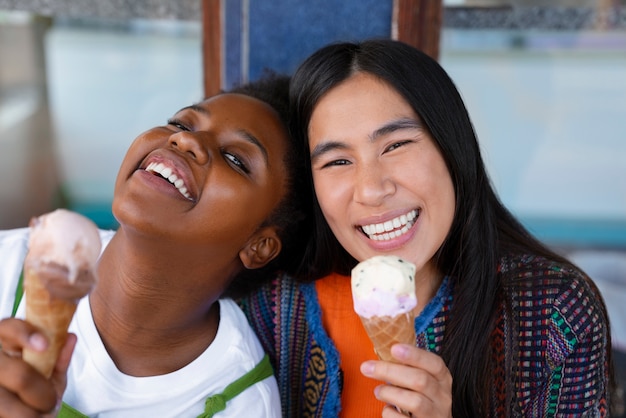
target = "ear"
x: 262, y: 248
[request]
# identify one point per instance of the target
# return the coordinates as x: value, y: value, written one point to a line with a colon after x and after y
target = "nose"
x: 189, y: 143
x: 372, y: 184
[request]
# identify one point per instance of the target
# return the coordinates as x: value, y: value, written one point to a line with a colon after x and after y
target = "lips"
x: 168, y: 172
x: 392, y: 228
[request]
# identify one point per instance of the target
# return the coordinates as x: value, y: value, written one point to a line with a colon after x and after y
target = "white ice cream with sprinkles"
x: 383, y: 286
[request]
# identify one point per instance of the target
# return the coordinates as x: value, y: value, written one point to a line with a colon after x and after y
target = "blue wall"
x: 280, y: 34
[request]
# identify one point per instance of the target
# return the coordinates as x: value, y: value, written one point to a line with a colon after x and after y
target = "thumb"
x: 59, y: 375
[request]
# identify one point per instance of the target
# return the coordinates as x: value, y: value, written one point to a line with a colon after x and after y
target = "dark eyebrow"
x: 253, y: 140
x: 197, y: 108
x: 325, y: 147
x: 396, y: 125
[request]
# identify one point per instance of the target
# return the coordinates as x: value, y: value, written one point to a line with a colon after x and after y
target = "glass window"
x: 546, y: 89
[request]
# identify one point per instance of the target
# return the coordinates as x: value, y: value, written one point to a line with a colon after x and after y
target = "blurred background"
x: 544, y: 82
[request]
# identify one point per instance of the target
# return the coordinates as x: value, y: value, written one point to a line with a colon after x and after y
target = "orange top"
x: 345, y: 329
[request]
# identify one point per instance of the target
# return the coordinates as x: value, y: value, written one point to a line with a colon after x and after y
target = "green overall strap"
x: 69, y: 412
x: 66, y: 410
x: 217, y: 403
x: 19, y: 292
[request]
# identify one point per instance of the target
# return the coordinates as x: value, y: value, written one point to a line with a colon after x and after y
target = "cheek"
x: 439, y: 196
x: 447, y: 206
x: 442, y: 185
x: 135, y: 153
x: 331, y: 194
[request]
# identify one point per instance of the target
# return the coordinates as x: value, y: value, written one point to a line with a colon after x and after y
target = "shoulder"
x: 105, y: 236
x: 13, y: 247
x: 11, y: 238
x: 233, y: 318
x: 236, y: 337
x: 543, y: 281
x: 262, y: 303
x: 519, y: 266
x: 246, y: 351
x: 553, y: 305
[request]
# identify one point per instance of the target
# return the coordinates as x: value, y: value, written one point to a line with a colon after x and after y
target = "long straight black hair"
x: 482, y: 231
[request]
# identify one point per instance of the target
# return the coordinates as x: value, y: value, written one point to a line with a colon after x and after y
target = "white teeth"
x: 166, y: 173
x: 391, y: 229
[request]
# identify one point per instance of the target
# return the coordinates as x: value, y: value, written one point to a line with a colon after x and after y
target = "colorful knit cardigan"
x: 551, y: 322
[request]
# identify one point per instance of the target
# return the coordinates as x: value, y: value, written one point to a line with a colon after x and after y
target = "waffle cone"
x: 51, y: 315
x: 385, y: 331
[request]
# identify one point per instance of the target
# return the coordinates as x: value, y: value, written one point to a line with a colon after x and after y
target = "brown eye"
x: 335, y: 163
x: 396, y: 145
x: 236, y: 161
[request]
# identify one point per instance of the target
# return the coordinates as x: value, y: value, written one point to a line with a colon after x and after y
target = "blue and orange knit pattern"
x: 550, y: 330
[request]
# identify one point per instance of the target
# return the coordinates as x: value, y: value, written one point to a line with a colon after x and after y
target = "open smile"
x: 391, y: 229
x: 167, y: 173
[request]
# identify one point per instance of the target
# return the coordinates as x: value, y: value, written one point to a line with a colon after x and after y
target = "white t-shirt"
x: 98, y: 389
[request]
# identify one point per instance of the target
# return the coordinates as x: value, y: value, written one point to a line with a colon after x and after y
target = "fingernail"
x: 399, y: 351
x: 367, y: 368
x: 38, y: 342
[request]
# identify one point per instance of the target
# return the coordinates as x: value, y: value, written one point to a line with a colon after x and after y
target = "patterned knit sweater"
x: 550, y: 330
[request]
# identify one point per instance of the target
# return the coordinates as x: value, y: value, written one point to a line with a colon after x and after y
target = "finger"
x: 407, y: 402
x: 59, y: 374
x: 12, y: 407
x: 55, y: 412
x: 421, y: 359
x: 16, y: 334
x: 26, y: 384
x: 400, y: 375
x: 410, y: 380
x: 66, y: 354
x: 430, y: 374
x: 390, y: 411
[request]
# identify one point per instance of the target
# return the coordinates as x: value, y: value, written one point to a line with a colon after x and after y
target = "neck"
x: 427, y: 283
x: 155, y: 312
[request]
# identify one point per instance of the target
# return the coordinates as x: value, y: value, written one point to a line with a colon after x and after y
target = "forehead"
x: 363, y: 86
x: 238, y: 107
x: 243, y: 113
x: 359, y: 105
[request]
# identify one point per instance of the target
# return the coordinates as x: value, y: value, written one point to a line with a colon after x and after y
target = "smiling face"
x: 208, y: 179
x: 381, y: 182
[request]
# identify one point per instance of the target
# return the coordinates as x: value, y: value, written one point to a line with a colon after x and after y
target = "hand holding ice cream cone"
x: 383, y: 291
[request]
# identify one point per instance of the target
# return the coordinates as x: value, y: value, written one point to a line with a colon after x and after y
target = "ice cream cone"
x: 63, y: 248
x: 385, y: 331
x: 383, y: 291
x: 51, y: 315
